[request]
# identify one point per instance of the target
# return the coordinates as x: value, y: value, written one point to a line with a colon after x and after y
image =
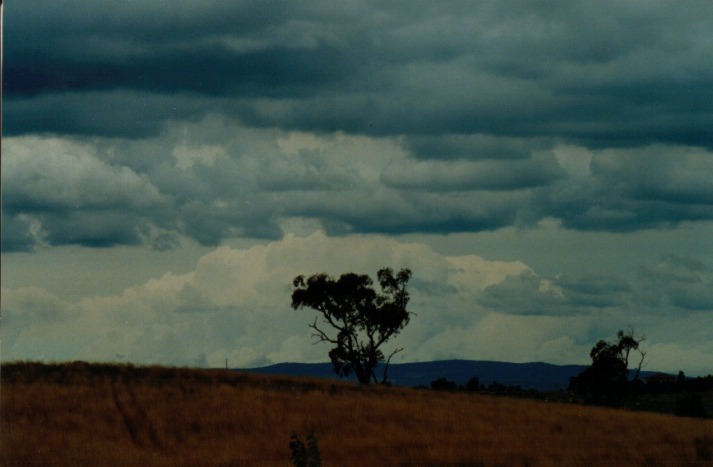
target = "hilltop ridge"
x: 533, y: 375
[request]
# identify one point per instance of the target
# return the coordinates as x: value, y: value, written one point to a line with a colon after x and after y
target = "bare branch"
x: 386, y: 366
x: 641, y: 363
x: 319, y: 334
x: 328, y: 319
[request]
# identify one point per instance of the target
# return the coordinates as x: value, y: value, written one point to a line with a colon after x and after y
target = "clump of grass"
x: 305, y: 455
x: 704, y: 448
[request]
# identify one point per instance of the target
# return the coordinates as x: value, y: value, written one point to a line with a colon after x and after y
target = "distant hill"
x: 539, y: 376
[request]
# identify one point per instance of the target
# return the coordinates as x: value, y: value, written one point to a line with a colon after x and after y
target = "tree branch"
x: 641, y: 363
x: 328, y: 319
x: 386, y: 366
x: 319, y: 334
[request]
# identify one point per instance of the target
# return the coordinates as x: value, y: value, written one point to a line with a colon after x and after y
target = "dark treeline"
x: 474, y: 385
x: 679, y: 395
x: 668, y: 384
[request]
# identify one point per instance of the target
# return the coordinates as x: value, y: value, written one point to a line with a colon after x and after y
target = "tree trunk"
x: 363, y: 374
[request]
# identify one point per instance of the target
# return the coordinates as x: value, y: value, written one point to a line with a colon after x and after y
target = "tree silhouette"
x: 363, y: 319
x: 473, y: 384
x: 608, y: 374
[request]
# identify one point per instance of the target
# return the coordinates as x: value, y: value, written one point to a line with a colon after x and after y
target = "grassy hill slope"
x: 82, y: 414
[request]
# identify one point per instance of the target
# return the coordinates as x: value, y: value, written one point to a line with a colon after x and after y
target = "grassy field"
x: 82, y: 414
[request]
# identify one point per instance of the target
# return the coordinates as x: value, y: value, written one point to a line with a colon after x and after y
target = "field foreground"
x: 91, y: 414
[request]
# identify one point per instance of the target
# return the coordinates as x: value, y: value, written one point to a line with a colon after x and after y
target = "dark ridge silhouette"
x: 538, y: 376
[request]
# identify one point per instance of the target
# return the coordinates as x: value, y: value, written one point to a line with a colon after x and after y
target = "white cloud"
x: 235, y: 305
x: 65, y: 192
x: 62, y: 174
x: 490, y: 336
x: 186, y: 156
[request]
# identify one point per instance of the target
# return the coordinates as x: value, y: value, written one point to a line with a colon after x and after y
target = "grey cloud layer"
x: 216, y: 179
x: 673, y: 285
x: 145, y: 122
x: 651, y: 187
x: 604, y: 73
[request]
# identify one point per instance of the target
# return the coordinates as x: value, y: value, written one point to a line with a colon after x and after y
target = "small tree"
x: 363, y: 319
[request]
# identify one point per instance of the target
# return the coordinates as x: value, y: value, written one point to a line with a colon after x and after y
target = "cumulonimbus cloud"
x: 235, y: 304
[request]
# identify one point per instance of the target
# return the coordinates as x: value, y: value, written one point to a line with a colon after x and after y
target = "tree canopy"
x: 608, y: 374
x: 363, y: 318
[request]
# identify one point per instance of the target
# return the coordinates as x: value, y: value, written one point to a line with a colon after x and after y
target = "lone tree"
x: 608, y: 375
x: 363, y: 319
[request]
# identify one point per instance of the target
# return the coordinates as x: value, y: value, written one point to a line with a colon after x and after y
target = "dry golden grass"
x: 79, y: 414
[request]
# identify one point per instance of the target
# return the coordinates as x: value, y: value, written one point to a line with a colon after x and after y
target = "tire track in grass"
x: 137, y: 423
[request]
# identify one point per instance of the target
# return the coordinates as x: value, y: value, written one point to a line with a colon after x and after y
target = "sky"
x: 545, y: 169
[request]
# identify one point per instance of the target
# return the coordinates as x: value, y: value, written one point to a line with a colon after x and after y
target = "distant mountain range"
x: 538, y: 376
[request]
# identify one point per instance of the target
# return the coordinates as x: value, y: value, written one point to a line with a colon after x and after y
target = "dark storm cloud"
x: 658, y: 174
x: 482, y: 175
x: 205, y: 70
x: 209, y: 224
x: 594, y: 291
x: 394, y: 212
x: 16, y: 233
x: 174, y: 113
x: 91, y: 229
x: 651, y: 187
x: 529, y: 294
x: 475, y: 146
x: 594, y: 73
x: 112, y: 114
x: 675, y: 285
x: 221, y: 48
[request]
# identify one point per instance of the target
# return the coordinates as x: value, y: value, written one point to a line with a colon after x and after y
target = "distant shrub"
x: 497, y: 387
x: 473, y: 384
x: 442, y: 384
x: 305, y: 455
